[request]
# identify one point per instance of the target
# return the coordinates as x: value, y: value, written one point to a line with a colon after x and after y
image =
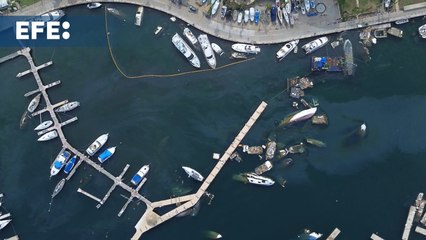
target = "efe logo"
x: 24, y: 28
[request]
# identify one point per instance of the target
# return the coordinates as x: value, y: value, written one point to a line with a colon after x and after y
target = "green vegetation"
x: 408, y: 2
x: 349, y: 8
x: 25, y: 3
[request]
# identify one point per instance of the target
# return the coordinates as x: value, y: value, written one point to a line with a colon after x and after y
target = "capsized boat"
x: 48, y: 136
x: 140, y: 175
x: 259, y: 180
x: 217, y: 49
x: 215, y: 7
x: 139, y: 15
x: 105, y: 155
x: 422, y: 31
x: 97, y: 144
x: 58, y: 187
x: 194, y: 174
x: 70, y: 164
x: 59, y: 162
x: 207, y: 50
x: 286, y: 49
x: 286, y: 18
x: 245, y: 48
x: 43, y: 125
x: 315, y: 45
x: 271, y: 147
x: 93, y: 5
x: 183, y: 47
x: 191, y: 37
x: 34, y: 103
x: 3, y: 223
x: 68, y: 107
x: 299, y: 116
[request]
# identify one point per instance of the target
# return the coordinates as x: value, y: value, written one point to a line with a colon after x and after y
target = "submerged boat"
x: 70, y: 164
x: 286, y: 49
x: 3, y: 223
x: 68, y: 107
x: 259, y: 180
x: 183, y: 47
x: 245, y: 48
x: 315, y: 45
x: 299, y: 116
x: 105, y: 155
x: 316, y: 142
x: 349, y: 57
x: 238, y: 55
x: 266, y: 166
x: 422, y: 31
x: 43, y: 125
x: 270, y: 150
x: 217, y: 49
x: 140, y: 175
x: 97, y: 144
x: 34, y: 103
x: 191, y: 37
x: 194, y: 174
x: 48, y: 136
x: 207, y: 50
x: 58, y: 187
x: 327, y: 64
x: 59, y: 162
x: 94, y: 5
x: 139, y: 15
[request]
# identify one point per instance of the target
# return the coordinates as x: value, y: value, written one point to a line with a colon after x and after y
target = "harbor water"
x: 360, y: 186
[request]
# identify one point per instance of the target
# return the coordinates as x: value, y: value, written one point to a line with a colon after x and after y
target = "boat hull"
x: 48, y: 136
x: 245, y: 48
x: 97, y: 144
x: 43, y: 125
x: 207, y: 50
x: 193, y: 174
x: 34, y: 103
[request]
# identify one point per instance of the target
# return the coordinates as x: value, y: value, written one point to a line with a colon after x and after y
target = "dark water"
x: 361, y: 188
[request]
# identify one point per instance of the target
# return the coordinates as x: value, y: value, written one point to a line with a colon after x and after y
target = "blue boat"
x: 256, y: 16
x: 140, y: 175
x: 59, y: 162
x: 70, y: 164
x: 106, y: 154
x: 273, y: 14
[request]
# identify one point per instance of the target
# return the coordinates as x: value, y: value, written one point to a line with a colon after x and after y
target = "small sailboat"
x: 97, y: 144
x: 140, y: 175
x: 194, y: 174
x: 70, y: 164
x: 93, y: 5
x: 68, y: 107
x: 3, y: 223
x: 105, y: 155
x: 217, y: 49
x: 43, y: 125
x: 59, y: 162
x: 34, y: 103
x: 48, y: 136
x: 58, y: 187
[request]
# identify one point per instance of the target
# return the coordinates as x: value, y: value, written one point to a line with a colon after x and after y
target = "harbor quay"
x: 264, y: 32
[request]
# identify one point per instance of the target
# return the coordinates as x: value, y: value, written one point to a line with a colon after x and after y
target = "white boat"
x: 113, y: 11
x: 3, y: 223
x: 184, y: 48
x: 51, y: 16
x: 43, y: 125
x: 217, y: 49
x: 246, y: 16
x: 307, y: 5
x: 387, y: 3
x: 158, y: 30
x: 190, y: 36
x: 59, y: 162
x: 139, y: 15
x: 207, y: 50
x: 94, y: 5
x: 194, y: 174
x: 105, y: 155
x: 240, y: 17
x: 97, y: 144
x: 34, y: 103
x: 140, y: 175
x: 173, y: 18
x: 314, y: 235
x: 288, y: 7
x: 259, y: 180
x: 280, y: 15
x: 303, y: 115
x: 252, y: 14
x: 303, y: 10
x: 223, y: 11
x: 315, y: 45
x: 215, y: 7
x: 291, y: 18
x: 286, y: 49
x: 48, y: 136
x: 422, y: 31
x: 245, y: 48
x: 286, y: 18
x: 68, y: 107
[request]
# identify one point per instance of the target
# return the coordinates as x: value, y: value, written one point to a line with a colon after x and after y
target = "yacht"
x: 105, y: 155
x: 183, y: 47
x: 207, y: 50
x: 58, y: 187
x: 422, y: 31
x: 94, y: 5
x: 59, y: 162
x: 286, y: 49
x: 34, y: 103
x: 307, y: 5
x: 43, y: 125
x: 68, y: 107
x: 70, y: 164
x: 49, y: 16
x: 217, y: 49
x: 259, y: 180
x: 138, y: 16
x: 194, y: 174
x: 140, y: 175
x: 97, y: 144
x: 48, y: 136
x: 245, y: 48
x: 191, y: 37
x: 315, y: 45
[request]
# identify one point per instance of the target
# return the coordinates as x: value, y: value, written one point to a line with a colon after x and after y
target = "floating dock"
x: 375, y: 237
x: 334, y: 234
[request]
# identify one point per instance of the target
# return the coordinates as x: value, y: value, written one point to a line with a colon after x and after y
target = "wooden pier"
x: 118, y: 179
x: 89, y: 195
x: 334, y: 234
x: 37, y: 68
x: 409, y: 223
x: 130, y: 199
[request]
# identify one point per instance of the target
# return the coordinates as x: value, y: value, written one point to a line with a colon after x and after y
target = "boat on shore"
x: 246, y: 15
x: 59, y: 162
x: 349, y: 57
x: 245, y: 48
x: 191, y: 37
x: 387, y: 3
x: 215, y: 7
x: 184, y: 48
x: 288, y: 7
x: 137, y: 178
x: 286, y: 49
x: 291, y: 18
x: 238, y: 55
x: 193, y: 174
x: 105, y: 155
x: 43, y: 125
x: 97, y: 144
x: 58, y: 187
x: 315, y: 45
x: 259, y: 180
x: 48, y: 136
x: 422, y: 31
x: 256, y: 16
x: 286, y: 18
x: 207, y: 50
x: 273, y: 14
x: 299, y: 116
x: 235, y: 15
x: 307, y: 5
x: 139, y: 16
x: 223, y: 11
x: 93, y: 5
x: 240, y: 17
x: 34, y: 103
x: 252, y: 14
x: 217, y: 49
x: 68, y: 107
x: 70, y: 164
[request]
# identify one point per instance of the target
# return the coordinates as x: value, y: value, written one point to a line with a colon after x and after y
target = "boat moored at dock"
x: 245, y: 48
x: 315, y: 45
x: 34, y: 103
x: 140, y: 175
x: 70, y: 164
x: 299, y: 116
x: 59, y: 162
x: 43, y: 125
x: 48, y: 136
x: 259, y: 180
x: 193, y: 174
x: 286, y: 49
x: 97, y: 144
x: 191, y: 37
x: 105, y: 155
x: 217, y: 49
x: 207, y: 50
x: 184, y: 48
x: 68, y: 107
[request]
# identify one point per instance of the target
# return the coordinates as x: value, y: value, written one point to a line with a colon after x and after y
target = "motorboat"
x: 245, y: 48
x: 158, y: 30
x: 97, y: 144
x: 140, y: 175
x: 315, y: 45
x: 271, y: 147
x: 286, y: 18
x: 259, y: 180
x: 194, y: 174
x: 3, y: 223
x: 213, y: 235
x: 43, y: 125
x: 215, y: 7
x: 223, y: 11
x: 48, y: 136
x: 70, y: 164
x: 240, y: 17
x: 34, y: 103
x: 256, y: 16
x: 273, y: 14
x: 59, y: 162
x: 299, y: 116
x: 191, y: 37
x: 184, y: 48
x: 288, y: 7
x: 246, y: 16
x: 173, y: 18
x: 252, y: 12
x: 286, y: 49
x: 139, y: 15
x: 207, y: 50
x: 422, y: 31
x: 105, y: 155
x: 59, y: 186
x: 68, y: 107
x: 217, y: 49
x: 238, y: 55
x: 280, y: 15
x: 307, y: 5
x: 94, y: 5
